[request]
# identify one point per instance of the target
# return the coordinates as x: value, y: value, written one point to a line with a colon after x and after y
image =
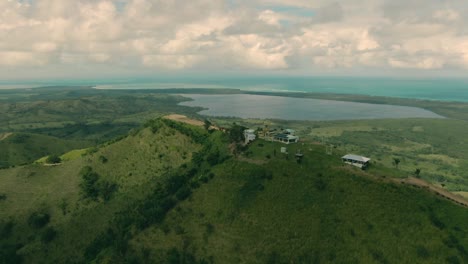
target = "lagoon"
x: 287, y: 108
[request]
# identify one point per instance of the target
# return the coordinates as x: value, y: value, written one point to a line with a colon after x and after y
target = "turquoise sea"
x: 432, y: 89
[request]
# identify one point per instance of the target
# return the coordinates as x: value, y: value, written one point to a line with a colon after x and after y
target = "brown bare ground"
x: 5, y: 136
x: 184, y: 119
x: 464, y: 194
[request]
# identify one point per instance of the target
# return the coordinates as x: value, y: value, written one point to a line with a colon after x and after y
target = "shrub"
x: 435, y: 221
x: 320, y: 184
x: 183, y: 193
x: 63, y: 205
x: 103, y: 159
x: 3, y: 197
x: 6, y: 229
x: 106, y: 190
x: 422, y: 252
x: 53, y: 159
x: 209, y: 228
x: 48, y: 235
x: 89, y: 183
x: 38, y: 220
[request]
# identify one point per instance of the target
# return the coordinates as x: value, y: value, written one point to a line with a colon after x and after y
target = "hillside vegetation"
x: 437, y: 147
x: 24, y: 148
x: 173, y: 193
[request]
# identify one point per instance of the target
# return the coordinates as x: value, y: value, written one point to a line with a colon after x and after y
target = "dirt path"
x: 458, y: 199
x: 184, y: 119
x: 5, y: 136
x: 435, y: 189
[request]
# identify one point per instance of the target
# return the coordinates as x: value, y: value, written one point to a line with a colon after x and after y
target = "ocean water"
x: 429, y: 89
x: 287, y: 108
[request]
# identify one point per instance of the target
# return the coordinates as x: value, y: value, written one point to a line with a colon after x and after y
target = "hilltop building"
x: 356, y: 160
x: 249, y: 135
x: 285, y: 138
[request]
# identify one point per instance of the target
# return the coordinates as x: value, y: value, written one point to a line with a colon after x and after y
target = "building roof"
x: 249, y: 131
x: 285, y: 136
x: 356, y: 158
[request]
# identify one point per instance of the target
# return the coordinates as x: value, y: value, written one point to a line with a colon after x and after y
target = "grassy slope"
x: 131, y: 163
x: 23, y: 148
x: 316, y: 212
x: 281, y: 212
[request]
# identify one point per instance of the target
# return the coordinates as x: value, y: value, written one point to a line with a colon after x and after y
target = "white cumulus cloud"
x: 176, y: 35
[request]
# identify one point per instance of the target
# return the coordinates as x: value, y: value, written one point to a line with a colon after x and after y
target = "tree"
x: 53, y: 159
x: 107, y: 189
x: 236, y: 133
x: 396, y: 161
x: 417, y: 173
x: 89, y: 183
x: 207, y: 124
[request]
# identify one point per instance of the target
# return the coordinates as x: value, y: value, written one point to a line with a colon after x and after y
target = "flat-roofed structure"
x: 356, y: 160
x: 285, y: 138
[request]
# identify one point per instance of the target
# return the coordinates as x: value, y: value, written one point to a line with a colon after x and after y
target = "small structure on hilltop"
x: 287, y: 139
x: 356, y: 160
x: 266, y: 133
x: 286, y: 136
x: 249, y: 135
x: 299, y: 155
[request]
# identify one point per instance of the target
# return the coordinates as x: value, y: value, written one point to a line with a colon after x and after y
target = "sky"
x: 42, y: 39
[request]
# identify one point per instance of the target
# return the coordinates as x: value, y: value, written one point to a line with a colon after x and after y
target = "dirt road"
x: 5, y: 136
x: 435, y: 189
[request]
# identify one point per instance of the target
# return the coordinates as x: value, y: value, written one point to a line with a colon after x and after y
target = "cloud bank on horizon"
x: 305, y: 36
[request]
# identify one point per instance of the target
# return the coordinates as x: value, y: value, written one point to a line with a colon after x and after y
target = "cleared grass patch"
x: 74, y: 154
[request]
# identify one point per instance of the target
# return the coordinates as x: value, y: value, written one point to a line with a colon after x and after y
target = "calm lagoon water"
x: 276, y: 107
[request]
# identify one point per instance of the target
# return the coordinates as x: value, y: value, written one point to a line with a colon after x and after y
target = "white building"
x: 249, y: 135
x: 356, y: 160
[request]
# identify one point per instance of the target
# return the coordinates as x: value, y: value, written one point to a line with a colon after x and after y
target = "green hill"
x: 24, y: 148
x: 172, y: 193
